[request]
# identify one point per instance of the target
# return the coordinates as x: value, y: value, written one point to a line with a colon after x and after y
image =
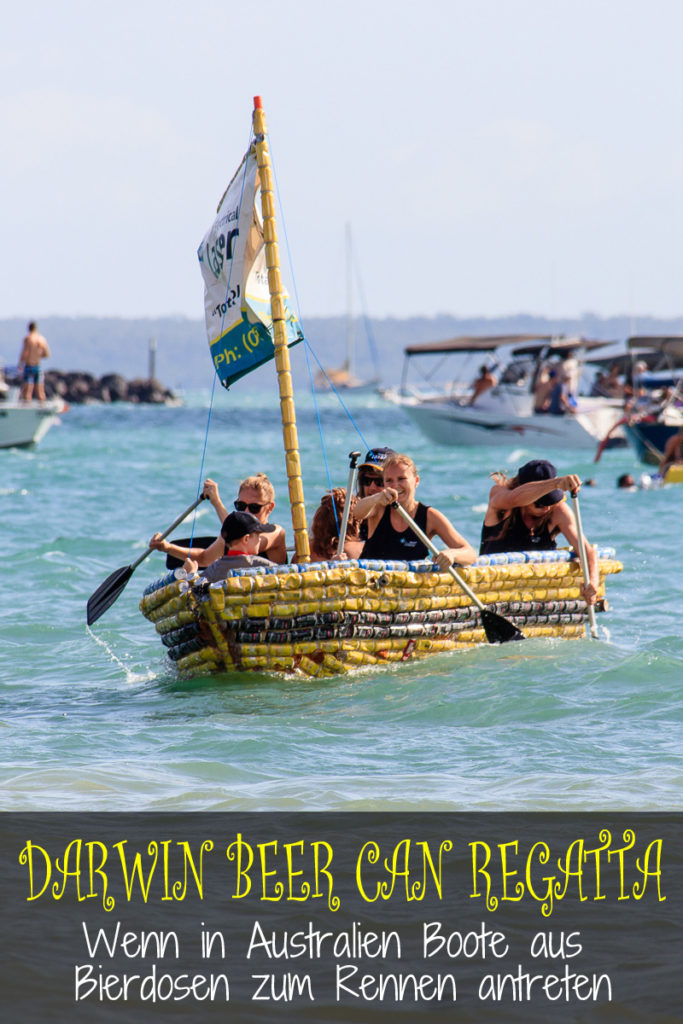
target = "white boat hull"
x: 26, y: 423
x: 450, y: 423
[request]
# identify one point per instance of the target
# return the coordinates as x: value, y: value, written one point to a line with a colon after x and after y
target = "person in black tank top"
x: 527, y: 513
x: 386, y: 542
x: 388, y: 535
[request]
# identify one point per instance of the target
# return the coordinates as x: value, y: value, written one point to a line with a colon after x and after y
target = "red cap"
x: 257, y: 103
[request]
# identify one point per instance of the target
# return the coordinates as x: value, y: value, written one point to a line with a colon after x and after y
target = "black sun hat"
x: 534, y: 472
x: 239, y: 524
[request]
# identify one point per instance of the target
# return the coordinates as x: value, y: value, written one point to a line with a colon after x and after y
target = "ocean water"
x: 96, y: 719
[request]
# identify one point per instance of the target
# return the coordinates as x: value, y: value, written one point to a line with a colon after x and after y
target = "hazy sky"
x: 492, y: 156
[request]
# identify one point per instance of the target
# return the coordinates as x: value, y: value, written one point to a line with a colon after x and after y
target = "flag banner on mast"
x: 232, y: 258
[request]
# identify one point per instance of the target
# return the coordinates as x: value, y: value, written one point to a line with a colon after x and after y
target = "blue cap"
x: 376, y: 457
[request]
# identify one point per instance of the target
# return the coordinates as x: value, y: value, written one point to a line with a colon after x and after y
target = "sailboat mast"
x: 278, y: 313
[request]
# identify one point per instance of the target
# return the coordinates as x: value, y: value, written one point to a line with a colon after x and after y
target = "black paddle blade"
x: 499, y: 630
x: 107, y: 592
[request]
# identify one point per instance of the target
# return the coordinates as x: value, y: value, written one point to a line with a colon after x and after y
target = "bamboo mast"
x: 277, y: 309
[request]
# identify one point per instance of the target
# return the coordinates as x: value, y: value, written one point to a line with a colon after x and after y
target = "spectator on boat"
x: 256, y: 495
x: 673, y: 452
x: 388, y: 535
x: 482, y: 383
x: 560, y: 401
x: 608, y: 385
x: 34, y: 348
x: 241, y: 534
x: 527, y: 513
x: 570, y: 371
x: 637, y: 396
x: 545, y: 383
x: 324, y: 539
x: 371, y: 478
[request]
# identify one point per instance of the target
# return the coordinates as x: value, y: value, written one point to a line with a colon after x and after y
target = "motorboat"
x: 504, y: 414
x: 23, y: 424
x: 655, y: 375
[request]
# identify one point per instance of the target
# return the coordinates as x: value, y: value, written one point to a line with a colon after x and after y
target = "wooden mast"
x: 278, y: 313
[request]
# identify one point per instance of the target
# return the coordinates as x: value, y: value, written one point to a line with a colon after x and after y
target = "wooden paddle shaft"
x: 435, y: 551
x: 584, y: 562
x: 176, y: 522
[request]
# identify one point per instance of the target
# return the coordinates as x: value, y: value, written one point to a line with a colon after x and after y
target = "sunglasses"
x: 253, y: 507
x: 365, y: 481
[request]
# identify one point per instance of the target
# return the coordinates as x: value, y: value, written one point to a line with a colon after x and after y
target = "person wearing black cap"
x: 527, y: 512
x: 370, y: 471
x: 241, y: 534
x: 371, y: 478
x: 256, y: 495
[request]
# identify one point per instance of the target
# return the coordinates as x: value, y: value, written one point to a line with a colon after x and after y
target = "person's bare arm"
x: 273, y: 546
x: 203, y: 556
x: 210, y: 491
x: 669, y: 456
x: 503, y: 498
x: 457, y: 548
x: 373, y: 505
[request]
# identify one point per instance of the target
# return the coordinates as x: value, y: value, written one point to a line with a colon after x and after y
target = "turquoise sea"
x: 97, y: 719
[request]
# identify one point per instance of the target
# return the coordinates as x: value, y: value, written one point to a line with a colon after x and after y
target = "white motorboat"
x: 26, y: 423
x: 504, y: 415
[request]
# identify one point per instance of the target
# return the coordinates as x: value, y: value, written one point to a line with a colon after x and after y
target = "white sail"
x: 236, y: 297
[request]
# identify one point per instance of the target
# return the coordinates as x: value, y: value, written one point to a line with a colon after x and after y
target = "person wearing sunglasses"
x: 371, y: 479
x: 527, y: 512
x: 256, y: 496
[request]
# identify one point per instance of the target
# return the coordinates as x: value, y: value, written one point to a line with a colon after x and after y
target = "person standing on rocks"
x: 33, y: 349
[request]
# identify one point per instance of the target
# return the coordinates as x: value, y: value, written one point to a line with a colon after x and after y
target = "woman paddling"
x: 527, y: 512
x: 388, y: 535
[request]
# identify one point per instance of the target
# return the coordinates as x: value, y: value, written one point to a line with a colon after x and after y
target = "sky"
x: 491, y: 157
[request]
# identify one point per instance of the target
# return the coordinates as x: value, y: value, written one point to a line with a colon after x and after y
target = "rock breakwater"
x: 77, y: 387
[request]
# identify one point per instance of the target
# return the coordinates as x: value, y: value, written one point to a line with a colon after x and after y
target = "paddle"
x: 350, y: 487
x: 498, y: 630
x: 584, y: 563
x: 108, y: 592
